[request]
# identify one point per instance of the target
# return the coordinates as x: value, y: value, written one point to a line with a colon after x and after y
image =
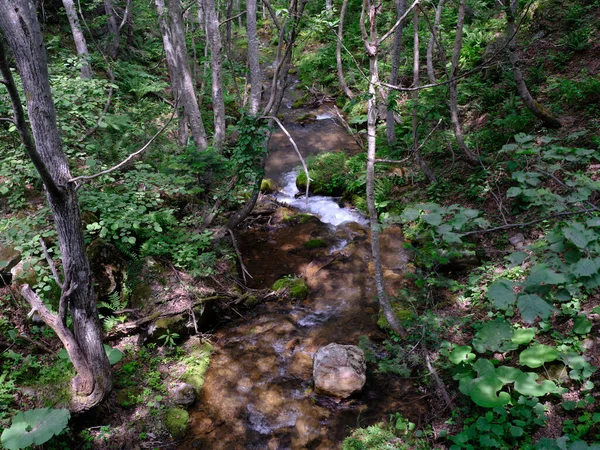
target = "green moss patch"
x: 197, y: 364
x: 315, y: 243
x: 268, y: 186
x: 297, y: 287
x: 176, y: 421
x: 328, y: 174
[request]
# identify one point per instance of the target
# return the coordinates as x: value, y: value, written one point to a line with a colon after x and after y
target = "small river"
x: 258, y: 390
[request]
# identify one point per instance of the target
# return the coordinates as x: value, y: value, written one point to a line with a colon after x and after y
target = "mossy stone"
x: 198, y: 365
x: 267, y: 186
x: 401, y: 313
x: 176, y: 421
x: 128, y: 397
x: 315, y: 243
x: 298, y: 289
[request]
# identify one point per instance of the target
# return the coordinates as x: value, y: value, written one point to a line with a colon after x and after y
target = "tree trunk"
x: 470, y: 157
x: 433, y: 41
x: 214, y: 42
x: 79, y: 38
x: 113, y: 30
x: 390, y: 120
x: 21, y: 30
x: 171, y: 27
x: 253, y: 57
x: 372, y: 51
x: 338, y: 52
x: 538, y: 110
x: 415, y: 98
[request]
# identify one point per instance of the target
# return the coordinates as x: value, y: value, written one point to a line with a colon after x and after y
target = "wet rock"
x: 176, y: 421
x: 9, y: 258
x: 184, y: 395
x: 296, y: 287
x: 339, y: 370
x: 268, y: 186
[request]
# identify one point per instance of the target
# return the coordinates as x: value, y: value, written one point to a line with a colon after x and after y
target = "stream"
x: 258, y: 390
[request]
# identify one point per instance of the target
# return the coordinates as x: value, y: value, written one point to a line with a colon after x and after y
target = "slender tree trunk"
x: 21, y: 30
x: 390, y: 120
x: 214, y: 41
x: 470, y: 157
x: 171, y: 26
x: 371, y: 46
x: 538, y: 110
x: 79, y: 38
x: 415, y: 97
x: 253, y: 57
x: 113, y: 29
x: 229, y: 15
x: 338, y: 52
x: 433, y: 41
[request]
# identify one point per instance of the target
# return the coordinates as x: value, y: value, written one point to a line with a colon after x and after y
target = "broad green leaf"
x: 484, y: 392
x: 34, y: 427
x: 532, y: 307
x: 541, y: 274
x: 508, y: 374
x: 527, y: 384
x: 579, y: 235
x: 517, y: 258
x: 585, y: 267
x: 492, y: 335
x: 410, y: 214
x: 114, y: 354
x: 513, y: 191
x: 523, y: 336
x: 501, y: 294
x: 433, y: 219
x: 593, y: 222
x: 461, y: 354
x: 581, y: 324
x: 537, y: 355
x: 516, y: 431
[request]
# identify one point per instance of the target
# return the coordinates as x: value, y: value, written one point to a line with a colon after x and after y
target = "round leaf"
x: 461, y: 354
x: 34, y: 427
x: 526, y: 384
x: 537, y: 355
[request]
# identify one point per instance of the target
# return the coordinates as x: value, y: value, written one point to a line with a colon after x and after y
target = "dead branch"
x: 239, y: 255
x: 51, y: 264
x: 437, y: 378
x: 232, y: 18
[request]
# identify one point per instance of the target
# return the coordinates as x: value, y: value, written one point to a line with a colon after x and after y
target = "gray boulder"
x: 184, y: 394
x: 339, y: 370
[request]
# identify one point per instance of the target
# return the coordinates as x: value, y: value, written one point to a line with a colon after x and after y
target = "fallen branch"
x: 437, y: 378
x: 239, y: 255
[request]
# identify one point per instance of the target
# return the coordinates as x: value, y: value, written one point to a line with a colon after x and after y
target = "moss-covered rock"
x: 328, y: 175
x: 268, y: 186
x: 197, y: 364
x: 315, y: 243
x: 401, y: 312
x: 176, y: 421
x: 128, y: 397
x: 297, y: 287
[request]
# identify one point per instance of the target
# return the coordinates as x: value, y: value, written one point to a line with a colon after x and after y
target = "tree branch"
x: 397, y: 24
x: 232, y: 18
x: 51, y: 264
x: 130, y: 157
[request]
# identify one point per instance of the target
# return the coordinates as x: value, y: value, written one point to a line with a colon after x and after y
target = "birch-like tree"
x: 79, y: 38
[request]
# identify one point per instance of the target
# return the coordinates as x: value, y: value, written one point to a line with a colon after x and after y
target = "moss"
x: 197, y: 364
x: 300, y: 102
x: 297, y: 287
x: 315, y: 243
x: 301, y: 218
x: 328, y: 174
x: 400, y: 312
x: 176, y: 420
x: 251, y: 301
x: 267, y: 186
x: 128, y: 397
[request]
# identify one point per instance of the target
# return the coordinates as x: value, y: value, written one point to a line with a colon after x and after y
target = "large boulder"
x: 339, y: 370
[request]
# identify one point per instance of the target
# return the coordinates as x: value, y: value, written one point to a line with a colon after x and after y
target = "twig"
x: 130, y: 157
x: 348, y: 128
x: 51, y: 264
x: 239, y: 255
x: 397, y: 24
x: 37, y: 344
x: 437, y: 379
x: 275, y: 119
x: 393, y: 161
x: 193, y: 315
x: 232, y: 18
x: 526, y: 224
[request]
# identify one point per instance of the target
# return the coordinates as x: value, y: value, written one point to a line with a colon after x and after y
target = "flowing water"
x: 258, y: 389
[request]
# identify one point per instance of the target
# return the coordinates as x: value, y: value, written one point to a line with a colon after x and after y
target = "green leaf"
x: 409, y: 214
x: 523, y: 336
x: 483, y: 392
x: 532, y: 307
x: 579, y: 235
x: 516, y: 431
x: 537, y: 355
x: 461, y: 354
x: 492, y: 335
x: 501, y: 294
x: 508, y: 374
x: 34, y: 427
x: 517, y: 258
x: 541, y: 274
x: 114, y: 354
x: 526, y: 384
x: 581, y: 324
x: 513, y: 191
x: 433, y: 219
x: 585, y: 267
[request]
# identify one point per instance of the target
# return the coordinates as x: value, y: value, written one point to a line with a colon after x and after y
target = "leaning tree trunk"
x: 470, y: 157
x: 113, y: 29
x: 79, y: 38
x: 338, y: 53
x: 390, y: 120
x: 214, y: 42
x: 415, y: 98
x: 253, y: 58
x: 171, y: 27
x: 18, y: 23
x: 538, y: 110
x: 371, y: 45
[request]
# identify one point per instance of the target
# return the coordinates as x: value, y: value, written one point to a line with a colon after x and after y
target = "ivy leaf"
x: 526, y: 384
x: 536, y: 355
x: 461, y: 354
x: 501, y: 294
x: 34, y: 427
x: 492, y: 335
x: 532, y: 307
x: 585, y: 267
x: 582, y: 325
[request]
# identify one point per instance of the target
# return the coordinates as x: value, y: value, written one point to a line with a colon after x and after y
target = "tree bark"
x: 214, y: 42
x: 171, y: 27
x: 372, y: 51
x: 390, y: 120
x: 415, y: 98
x: 433, y: 41
x: 338, y: 52
x: 538, y: 110
x: 79, y: 38
x: 253, y: 58
x: 21, y: 30
x: 113, y: 30
x: 470, y: 157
